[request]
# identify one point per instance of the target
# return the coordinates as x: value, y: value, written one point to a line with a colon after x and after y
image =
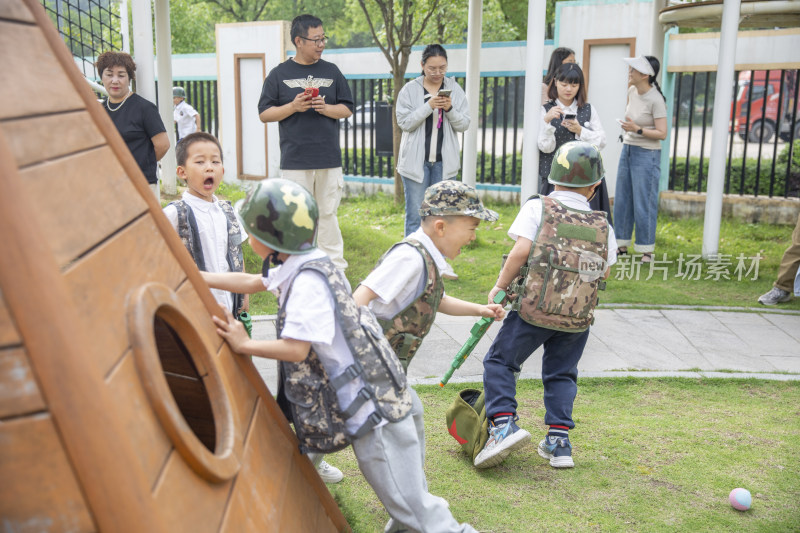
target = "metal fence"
x: 500, y: 112
x: 88, y: 27
x: 762, y: 129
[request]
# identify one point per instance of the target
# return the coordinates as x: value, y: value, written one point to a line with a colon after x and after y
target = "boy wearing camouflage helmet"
x: 186, y: 117
x: 552, y: 275
x: 318, y: 352
x: 405, y: 289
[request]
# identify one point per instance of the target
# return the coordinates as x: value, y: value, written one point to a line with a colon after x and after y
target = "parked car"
x: 767, y: 119
x: 363, y: 116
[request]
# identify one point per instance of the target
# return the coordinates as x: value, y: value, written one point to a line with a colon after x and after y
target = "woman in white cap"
x: 639, y: 171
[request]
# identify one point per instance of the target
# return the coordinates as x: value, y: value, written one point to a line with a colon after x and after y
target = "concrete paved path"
x: 625, y: 341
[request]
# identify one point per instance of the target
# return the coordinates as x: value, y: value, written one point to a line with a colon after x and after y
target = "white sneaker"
x: 775, y: 296
x: 328, y: 473
x: 448, y: 272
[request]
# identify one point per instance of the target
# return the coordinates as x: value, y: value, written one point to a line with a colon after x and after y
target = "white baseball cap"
x: 641, y: 64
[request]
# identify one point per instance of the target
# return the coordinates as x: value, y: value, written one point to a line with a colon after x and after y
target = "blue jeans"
x: 515, y: 342
x: 415, y: 193
x: 636, y: 197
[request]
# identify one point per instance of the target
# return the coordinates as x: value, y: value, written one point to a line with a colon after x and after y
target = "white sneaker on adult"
x: 449, y: 273
x: 328, y: 473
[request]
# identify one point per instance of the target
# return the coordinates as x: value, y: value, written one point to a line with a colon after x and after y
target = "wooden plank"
x: 62, y: 192
x: 37, y: 139
x: 19, y: 392
x: 39, y: 491
x: 15, y: 11
x: 8, y: 331
x: 100, y: 453
x: 240, y: 393
x: 29, y: 94
x: 199, y: 314
x: 100, y: 283
x: 187, y: 502
x: 191, y: 396
x: 132, y: 407
x: 261, y: 486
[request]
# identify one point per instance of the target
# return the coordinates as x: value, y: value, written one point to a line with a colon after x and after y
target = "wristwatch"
x: 639, y: 131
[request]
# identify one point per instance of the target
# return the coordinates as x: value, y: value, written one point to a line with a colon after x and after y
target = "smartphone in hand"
x: 444, y: 92
x: 569, y: 116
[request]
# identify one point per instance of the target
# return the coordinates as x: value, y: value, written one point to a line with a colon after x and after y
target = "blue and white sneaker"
x: 558, y: 450
x: 503, y: 440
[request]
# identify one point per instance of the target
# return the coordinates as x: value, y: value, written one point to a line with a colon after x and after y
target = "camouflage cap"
x: 178, y: 92
x: 281, y: 214
x: 451, y: 197
x: 576, y: 164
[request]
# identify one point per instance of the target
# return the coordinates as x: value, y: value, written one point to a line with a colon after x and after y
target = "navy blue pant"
x: 515, y: 342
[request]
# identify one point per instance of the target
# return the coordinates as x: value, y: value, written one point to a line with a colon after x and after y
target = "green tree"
x: 395, y: 28
x: 239, y: 10
x: 192, y: 27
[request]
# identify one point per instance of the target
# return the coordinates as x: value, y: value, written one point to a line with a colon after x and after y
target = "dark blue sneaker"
x: 558, y: 450
x: 503, y: 440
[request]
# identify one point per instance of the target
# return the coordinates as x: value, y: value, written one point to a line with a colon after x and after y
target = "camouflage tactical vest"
x: 308, y: 396
x: 557, y: 287
x: 406, y: 330
x: 190, y: 236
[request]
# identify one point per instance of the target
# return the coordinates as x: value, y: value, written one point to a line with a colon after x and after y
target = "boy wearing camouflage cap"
x: 405, y: 289
x: 552, y: 275
x: 317, y: 350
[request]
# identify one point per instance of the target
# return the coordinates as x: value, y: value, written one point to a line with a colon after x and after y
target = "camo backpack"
x: 308, y: 396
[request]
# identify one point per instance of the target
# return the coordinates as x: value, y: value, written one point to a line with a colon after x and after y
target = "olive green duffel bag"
x: 467, y: 422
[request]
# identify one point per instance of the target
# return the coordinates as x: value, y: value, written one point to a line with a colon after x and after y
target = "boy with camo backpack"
x: 405, y: 289
x: 552, y: 275
x: 340, y: 382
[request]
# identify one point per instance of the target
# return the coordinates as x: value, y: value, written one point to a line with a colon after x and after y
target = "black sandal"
x: 623, y: 250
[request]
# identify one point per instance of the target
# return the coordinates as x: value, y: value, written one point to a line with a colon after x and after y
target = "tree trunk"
x: 398, y: 82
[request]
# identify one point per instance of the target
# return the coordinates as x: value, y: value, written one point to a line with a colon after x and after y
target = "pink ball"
x: 740, y: 499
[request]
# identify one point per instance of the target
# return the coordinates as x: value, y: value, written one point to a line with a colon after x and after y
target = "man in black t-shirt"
x: 307, y: 96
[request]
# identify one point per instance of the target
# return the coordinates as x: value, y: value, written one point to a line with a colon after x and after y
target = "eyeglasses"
x: 434, y: 70
x: 322, y: 41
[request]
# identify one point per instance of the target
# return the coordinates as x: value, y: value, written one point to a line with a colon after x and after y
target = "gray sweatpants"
x: 390, y: 459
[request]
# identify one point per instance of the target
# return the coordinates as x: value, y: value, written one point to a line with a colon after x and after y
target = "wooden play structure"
x: 120, y: 407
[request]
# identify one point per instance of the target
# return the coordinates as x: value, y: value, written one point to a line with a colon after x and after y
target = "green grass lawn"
x: 651, y: 455
x: 370, y: 225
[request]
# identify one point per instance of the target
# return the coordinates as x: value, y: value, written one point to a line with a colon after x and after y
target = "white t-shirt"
x: 212, y: 226
x: 184, y: 115
x: 592, y: 131
x: 311, y: 317
x: 530, y: 216
x: 400, y: 278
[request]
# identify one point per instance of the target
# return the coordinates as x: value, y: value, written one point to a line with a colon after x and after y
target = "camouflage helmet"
x: 576, y: 164
x: 178, y: 92
x: 281, y: 214
x: 451, y: 197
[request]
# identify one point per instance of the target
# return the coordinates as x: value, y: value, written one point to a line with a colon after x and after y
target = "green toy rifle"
x: 245, y: 319
x: 476, y: 333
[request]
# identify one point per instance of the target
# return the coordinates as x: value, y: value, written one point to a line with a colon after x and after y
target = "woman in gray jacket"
x: 430, y: 110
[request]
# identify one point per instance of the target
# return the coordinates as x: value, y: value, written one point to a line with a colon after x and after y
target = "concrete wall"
x: 746, y: 208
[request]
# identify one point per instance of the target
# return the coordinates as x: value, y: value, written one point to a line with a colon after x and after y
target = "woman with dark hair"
x: 136, y: 119
x: 569, y: 117
x: 639, y: 171
x: 557, y: 58
x: 431, y: 110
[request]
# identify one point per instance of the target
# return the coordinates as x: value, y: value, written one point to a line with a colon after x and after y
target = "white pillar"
x: 533, y: 98
x: 125, y: 26
x: 164, y: 56
x: 657, y: 38
x: 473, y: 82
x: 142, y: 15
x: 723, y: 95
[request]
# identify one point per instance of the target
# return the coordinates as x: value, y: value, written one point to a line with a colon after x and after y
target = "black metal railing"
x: 499, y: 121
x: 761, y: 136
x: 88, y: 27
